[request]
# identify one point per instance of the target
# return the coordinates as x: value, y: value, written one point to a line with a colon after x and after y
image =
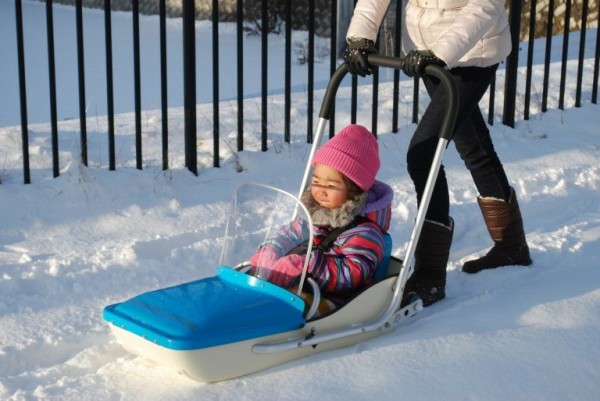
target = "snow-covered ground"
x: 70, y: 246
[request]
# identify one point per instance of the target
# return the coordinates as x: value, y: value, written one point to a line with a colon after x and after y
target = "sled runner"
x: 235, y: 323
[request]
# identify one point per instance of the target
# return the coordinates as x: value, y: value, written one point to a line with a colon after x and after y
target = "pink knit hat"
x: 353, y: 152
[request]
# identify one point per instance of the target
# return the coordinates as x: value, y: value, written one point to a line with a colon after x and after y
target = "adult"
x: 469, y: 38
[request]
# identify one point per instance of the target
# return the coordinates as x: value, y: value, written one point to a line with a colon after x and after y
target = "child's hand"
x: 264, y: 257
x: 286, y: 270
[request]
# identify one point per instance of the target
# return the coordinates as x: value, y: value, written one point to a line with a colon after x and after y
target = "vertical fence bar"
x: 529, y: 59
x: 396, y: 90
x: 109, y: 86
x: 415, y: 111
x: 311, y: 71
x: 354, y: 95
x: 547, y: 57
x: 375, y: 97
x: 492, y: 101
x: 81, y: 78
x: 375, y: 101
x: 584, y: 15
x: 240, y: 74
x: 52, y: 81
x: 333, y: 59
x: 264, y: 72
x: 596, y: 65
x: 512, y: 65
x: 189, y: 84
x: 22, y: 91
x: 137, y: 84
x: 215, y: 55
x: 565, y: 58
x: 164, y: 99
x: 354, y: 99
x: 287, y: 137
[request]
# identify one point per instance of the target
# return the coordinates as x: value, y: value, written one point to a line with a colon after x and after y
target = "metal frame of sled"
x: 145, y: 325
x: 393, y: 314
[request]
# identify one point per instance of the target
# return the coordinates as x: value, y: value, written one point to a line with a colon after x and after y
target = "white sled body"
x: 238, y: 358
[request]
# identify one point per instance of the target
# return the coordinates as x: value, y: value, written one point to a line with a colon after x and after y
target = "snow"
x: 71, y: 245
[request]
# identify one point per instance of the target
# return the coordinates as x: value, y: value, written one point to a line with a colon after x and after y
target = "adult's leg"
x: 472, y: 82
x: 497, y: 200
x: 476, y: 149
x: 474, y: 144
x: 472, y: 137
x: 433, y: 248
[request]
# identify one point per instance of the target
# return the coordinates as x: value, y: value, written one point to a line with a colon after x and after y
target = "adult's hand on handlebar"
x: 416, y: 61
x: 355, y: 56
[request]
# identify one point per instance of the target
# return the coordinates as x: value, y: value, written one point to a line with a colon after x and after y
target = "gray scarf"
x: 340, y: 217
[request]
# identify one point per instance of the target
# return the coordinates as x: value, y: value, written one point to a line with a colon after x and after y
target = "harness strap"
x: 329, y: 239
x: 334, y: 234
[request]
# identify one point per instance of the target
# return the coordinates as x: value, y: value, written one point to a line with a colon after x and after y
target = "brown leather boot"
x: 428, y: 280
x: 505, y: 225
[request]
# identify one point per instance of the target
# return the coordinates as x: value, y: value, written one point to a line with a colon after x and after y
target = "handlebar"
x: 396, y: 63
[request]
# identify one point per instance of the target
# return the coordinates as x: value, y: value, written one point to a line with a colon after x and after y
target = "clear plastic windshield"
x: 268, y: 235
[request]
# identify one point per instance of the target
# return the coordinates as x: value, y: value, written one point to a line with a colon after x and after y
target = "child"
x: 343, y: 194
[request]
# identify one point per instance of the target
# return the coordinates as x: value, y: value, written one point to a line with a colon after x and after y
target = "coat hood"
x: 376, y: 205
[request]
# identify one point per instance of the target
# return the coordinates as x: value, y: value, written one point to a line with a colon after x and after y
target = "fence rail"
x: 189, y: 75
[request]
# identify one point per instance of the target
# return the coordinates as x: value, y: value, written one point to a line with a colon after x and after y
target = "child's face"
x: 328, y: 187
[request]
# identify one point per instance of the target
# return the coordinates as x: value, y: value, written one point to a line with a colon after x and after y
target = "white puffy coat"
x: 460, y: 32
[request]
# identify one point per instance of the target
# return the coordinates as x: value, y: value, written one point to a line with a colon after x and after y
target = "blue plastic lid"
x: 229, y: 307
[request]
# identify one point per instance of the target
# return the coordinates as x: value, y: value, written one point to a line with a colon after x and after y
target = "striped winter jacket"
x: 350, y: 262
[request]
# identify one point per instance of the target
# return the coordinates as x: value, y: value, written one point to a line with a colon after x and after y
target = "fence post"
x: 264, y: 73
x: 288, y: 73
x: 353, y: 99
x: 22, y: 91
x: 164, y: 103
x: 344, y: 10
x: 415, y: 108
x: 584, y: 15
x: 375, y: 92
x: 512, y: 65
x: 565, y: 56
x: 52, y: 82
x: 492, y: 101
x: 547, y: 59
x: 189, y: 84
x: 397, y: 42
x: 596, y: 67
x: 215, y: 45
x: 81, y: 78
x: 137, y: 83
x: 530, y: 46
x: 109, y: 86
x: 333, y: 33
x: 311, y: 69
x: 240, y: 74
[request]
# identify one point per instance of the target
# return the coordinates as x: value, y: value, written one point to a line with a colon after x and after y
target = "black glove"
x: 416, y: 61
x: 356, y: 54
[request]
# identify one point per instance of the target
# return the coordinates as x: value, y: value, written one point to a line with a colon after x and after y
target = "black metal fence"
x: 189, y: 76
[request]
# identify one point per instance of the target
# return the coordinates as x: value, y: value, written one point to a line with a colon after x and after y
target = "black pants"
x: 471, y: 138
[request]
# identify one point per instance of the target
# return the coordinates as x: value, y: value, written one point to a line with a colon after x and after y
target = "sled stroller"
x: 234, y: 323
